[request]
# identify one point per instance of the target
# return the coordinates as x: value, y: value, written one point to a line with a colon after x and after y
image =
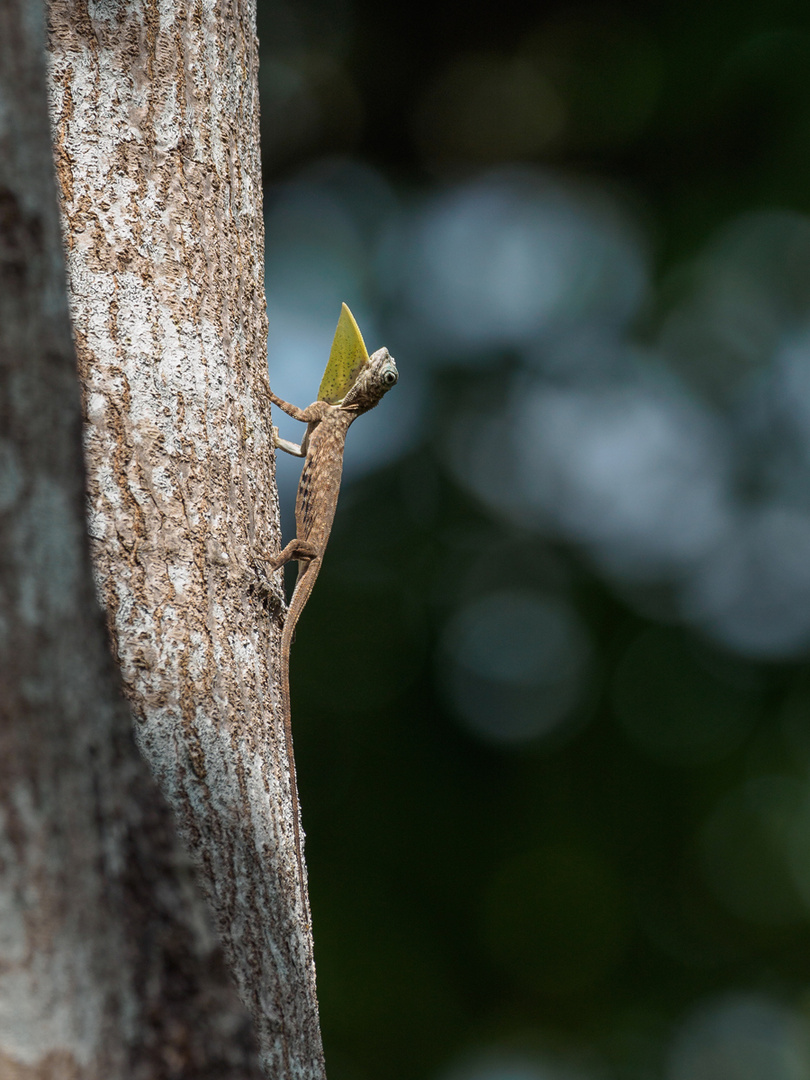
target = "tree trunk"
x: 155, y: 117
x: 108, y: 968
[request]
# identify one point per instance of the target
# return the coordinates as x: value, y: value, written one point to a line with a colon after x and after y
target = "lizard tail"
x: 308, y: 572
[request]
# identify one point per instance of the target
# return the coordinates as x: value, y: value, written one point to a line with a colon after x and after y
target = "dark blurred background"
x: 551, y: 694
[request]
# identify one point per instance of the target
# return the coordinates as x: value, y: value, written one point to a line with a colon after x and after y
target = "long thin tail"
x: 308, y: 572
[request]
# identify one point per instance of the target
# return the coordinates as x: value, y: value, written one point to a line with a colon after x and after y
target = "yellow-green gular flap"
x: 346, y: 360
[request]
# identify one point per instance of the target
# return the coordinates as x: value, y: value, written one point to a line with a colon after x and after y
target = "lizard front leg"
x: 311, y: 416
x: 287, y: 446
x: 291, y: 410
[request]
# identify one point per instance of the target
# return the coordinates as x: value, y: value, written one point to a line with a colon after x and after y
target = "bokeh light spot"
x: 506, y: 257
x: 514, y: 664
x: 752, y: 592
x: 635, y: 471
x: 741, y: 1038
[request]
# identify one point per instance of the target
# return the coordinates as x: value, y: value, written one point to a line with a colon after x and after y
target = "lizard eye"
x: 389, y: 378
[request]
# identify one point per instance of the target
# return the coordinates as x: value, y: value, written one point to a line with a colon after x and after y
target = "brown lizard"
x: 315, y: 505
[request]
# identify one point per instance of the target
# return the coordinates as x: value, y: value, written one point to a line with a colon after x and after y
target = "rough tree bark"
x: 154, y: 108
x: 108, y: 966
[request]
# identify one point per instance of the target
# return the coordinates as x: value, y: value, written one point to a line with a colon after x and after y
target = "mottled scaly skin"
x: 315, y: 506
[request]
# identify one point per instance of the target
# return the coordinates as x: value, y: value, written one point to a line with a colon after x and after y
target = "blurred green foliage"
x: 570, y: 901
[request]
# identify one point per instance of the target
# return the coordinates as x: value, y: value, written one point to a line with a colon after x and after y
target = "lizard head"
x: 354, y: 380
x: 376, y: 378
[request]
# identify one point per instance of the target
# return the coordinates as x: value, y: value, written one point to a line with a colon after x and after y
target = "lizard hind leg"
x: 296, y: 549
